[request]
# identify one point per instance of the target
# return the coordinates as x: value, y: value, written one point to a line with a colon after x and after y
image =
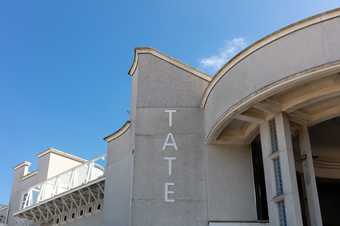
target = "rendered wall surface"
x: 231, y: 192
x: 56, y: 161
x: 117, y: 199
x: 160, y: 86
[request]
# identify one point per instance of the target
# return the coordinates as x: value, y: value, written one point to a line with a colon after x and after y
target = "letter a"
x: 170, y: 142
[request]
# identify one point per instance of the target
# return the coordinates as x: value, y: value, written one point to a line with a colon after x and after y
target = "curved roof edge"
x: 156, y: 53
x: 269, y: 90
x: 118, y: 133
x: 309, y: 21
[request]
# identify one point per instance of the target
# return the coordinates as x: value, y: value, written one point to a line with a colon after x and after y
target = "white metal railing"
x: 72, y: 178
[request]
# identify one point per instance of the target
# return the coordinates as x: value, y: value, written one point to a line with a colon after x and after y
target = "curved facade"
x: 255, y: 145
x: 294, y: 54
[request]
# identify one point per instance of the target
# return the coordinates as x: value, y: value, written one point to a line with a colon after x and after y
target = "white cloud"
x: 230, y: 48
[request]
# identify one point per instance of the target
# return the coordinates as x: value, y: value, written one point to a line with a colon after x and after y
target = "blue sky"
x: 63, y: 64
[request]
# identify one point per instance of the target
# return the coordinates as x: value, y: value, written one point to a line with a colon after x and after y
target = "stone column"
x: 289, y: 181
x: 269, y: 172
x: 280, y: 173
x: 309, y: 178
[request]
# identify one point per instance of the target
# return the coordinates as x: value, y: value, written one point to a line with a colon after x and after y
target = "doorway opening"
x: 325, y: 141
x: 259, y: 180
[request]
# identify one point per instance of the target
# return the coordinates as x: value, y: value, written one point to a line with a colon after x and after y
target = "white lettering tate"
x: 167, y: 192
x: 170, y: 142
x: 170, y: 159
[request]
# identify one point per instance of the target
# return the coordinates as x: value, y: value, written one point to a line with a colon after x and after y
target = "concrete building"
x: 256, y: 144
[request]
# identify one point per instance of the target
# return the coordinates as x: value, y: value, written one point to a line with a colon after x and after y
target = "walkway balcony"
x: 71, y: 194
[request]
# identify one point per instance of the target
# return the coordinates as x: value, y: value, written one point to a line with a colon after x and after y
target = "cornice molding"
x: 156, y: 53
x: 118, y: 133
x: 22, y: 164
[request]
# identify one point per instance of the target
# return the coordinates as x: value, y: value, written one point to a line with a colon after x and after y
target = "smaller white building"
x: 63, y: 188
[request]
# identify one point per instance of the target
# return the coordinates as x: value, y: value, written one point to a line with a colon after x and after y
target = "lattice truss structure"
x: 77, y: 203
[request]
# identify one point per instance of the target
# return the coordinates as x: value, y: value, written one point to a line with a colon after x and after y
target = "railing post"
x: 41, y: 192
x: 55, y: 186
x: 71, y: 180
x: 89, y: 170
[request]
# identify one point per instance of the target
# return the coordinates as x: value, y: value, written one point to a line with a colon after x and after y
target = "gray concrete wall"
x: 118, y: 173
x: 151, y: 170
x: 160, y: 86
x: 231, y: 192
